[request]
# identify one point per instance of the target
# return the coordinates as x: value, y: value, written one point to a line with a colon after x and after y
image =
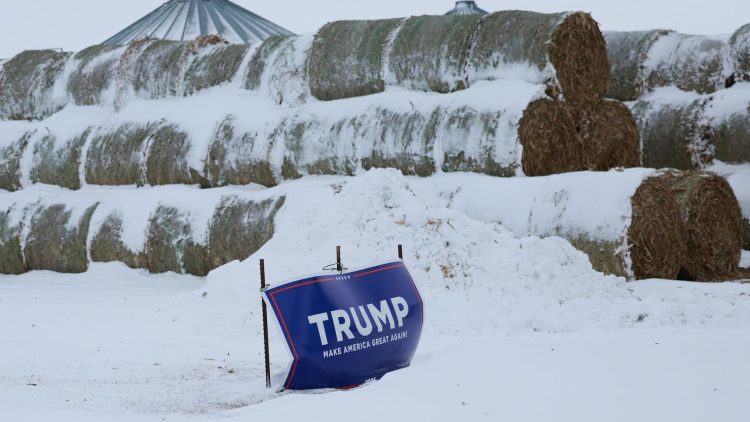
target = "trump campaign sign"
x: 343, y: 330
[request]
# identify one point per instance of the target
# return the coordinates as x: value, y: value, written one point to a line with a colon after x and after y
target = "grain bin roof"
x: 465, y: 8
x: 181, y: 20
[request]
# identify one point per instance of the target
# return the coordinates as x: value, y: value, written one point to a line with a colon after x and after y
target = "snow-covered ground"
x: 516, y: 328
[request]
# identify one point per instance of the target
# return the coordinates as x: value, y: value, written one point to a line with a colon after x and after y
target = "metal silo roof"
x: 465, y: 8
x: 181, y: 20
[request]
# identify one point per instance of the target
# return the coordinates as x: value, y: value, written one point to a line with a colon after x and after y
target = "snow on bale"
x: 58, y: 166
x: 115, y: 157
x: 713, y: 221
x: 278, y: 69
x: 346, y: 58
x: 107, y: 244
x: 690, y: 131
x: 11, y: 256
x: 27, y: 84
x: 627, y: 222
x: 566, y: 51
x: 57, y: 235
x: 739, y: 45
x: 11, y: 152
x: 673, y: 132
x: 645, y: 60
x: 94, y: 74
x: 215, y: 67
x: 429, y: 53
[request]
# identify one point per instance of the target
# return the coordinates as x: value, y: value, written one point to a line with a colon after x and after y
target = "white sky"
x: 75, y: 24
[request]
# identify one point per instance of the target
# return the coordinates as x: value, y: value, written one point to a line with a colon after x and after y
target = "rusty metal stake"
x: 265, y: 324
x: 339, y: 267
x: 400, y: 252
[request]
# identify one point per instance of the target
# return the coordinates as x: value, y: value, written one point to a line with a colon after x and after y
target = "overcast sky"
x: 75, y: 24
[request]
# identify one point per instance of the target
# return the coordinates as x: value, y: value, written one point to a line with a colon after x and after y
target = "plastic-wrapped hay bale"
x: 728, y: 113
x: 10, y: 161
x: 56, y: 237
x: 214, y: 68
x: 627, y: 222
x: 627, y: 52
x: 566, y: 51
x: 170, y: 245
x: 713, y: 221
x: 240, y: 227
x: 739, y: 45
x: 689, y: 62
x: 27, y: 83
x: 94, y: 73
x: 346, y: 59
x: 115, y: 156
x: 674, y: 132
x: 11, y: 256
x: 429, y: 53
x: 59, y: 166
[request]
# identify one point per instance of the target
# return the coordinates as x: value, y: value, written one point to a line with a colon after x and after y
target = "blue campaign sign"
x: 346, y: 329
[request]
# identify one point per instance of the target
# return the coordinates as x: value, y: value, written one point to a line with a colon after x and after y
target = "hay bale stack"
x: 642, y: 61
x: 93, y: 74
x: 166, y: 159
x: 57, y: 236
x: 10, y: 160
x: 739, y: 45
x: 278, y: 69
x: 26, y: 83
x: 627, y: 222
x: 713, y: 221
x: 674, y: 132
x: 107, y: 245
x: 566, y: 51
x: 58, y: 166
x: 346, y: 59
x: 237, y: 159
x: 215, y: 67
x: 115, y: 156
x: 428, y: 53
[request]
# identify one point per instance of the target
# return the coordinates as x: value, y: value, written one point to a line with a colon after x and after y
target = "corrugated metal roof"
x: 465, y: 8
x: 182, y: 20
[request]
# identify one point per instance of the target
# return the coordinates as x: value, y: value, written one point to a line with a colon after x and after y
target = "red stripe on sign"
x: 378, y: 270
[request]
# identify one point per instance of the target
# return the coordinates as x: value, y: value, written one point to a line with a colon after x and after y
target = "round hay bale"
x: 550, y: 142
x: 627, y: 52
x: 739, y: 47
x: 11, y: 256
x: 94, y: 73
x: 159, y: 70
x: 216, y: 67
x: 656, y: 234
x: 565, y: 51
x: 58, y: 166
x: 26, y: 83
x: 689, y: 62
x: 237, y: 158
x: 262, y: 59
x: 429, y: 53
x: 166, y: 161
x: 746, y: 234
x: 713, y: 221
x: 239, y: 228
x: 674, y: 134
x: 728, y: 114
x: 611, y: 138
x: 170, y: 245
x: 346, y: 59
x: 115, y: 156
x: 56, y: 240
x: 10, y: 162
x: 107, y: 245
